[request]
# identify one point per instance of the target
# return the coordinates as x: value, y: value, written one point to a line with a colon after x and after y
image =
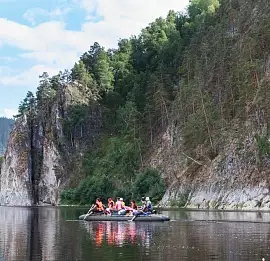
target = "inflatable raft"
x: 149, y: 218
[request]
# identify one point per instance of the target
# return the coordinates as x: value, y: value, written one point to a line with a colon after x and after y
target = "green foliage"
x: 27, y: 106
x: 199, y: 8
x: 84, y: 78
x: 90, y: 58
x: 45, y: 92
x: 108, y: 171
x: 127, y: 119
x: 103, y: 72
x: 77, y: 115
x: 149, y: 183
x: 88, y: 190
x: 112, y: 171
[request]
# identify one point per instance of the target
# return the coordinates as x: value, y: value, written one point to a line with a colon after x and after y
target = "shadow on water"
x: 45, y: 234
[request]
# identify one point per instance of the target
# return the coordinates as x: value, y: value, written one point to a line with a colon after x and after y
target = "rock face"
x: 15, y: 179
x: 235, y: 179
x: 41, y: 150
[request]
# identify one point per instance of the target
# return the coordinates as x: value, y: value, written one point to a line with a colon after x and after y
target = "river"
x: 54, y: 233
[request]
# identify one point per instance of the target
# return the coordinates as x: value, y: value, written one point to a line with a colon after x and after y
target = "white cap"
x: 147, y: 198
x: 121, y: 199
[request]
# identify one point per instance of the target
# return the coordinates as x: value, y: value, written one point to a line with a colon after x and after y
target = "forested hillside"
x: 5, y: 128
x: 202, y: 74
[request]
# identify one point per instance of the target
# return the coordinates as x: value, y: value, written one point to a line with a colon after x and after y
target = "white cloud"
x: 49, y: 36
x: 9, y: 113
x: 28, y: 78
x: 52, y: 58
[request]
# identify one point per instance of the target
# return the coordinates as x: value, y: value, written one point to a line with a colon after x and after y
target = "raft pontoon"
x: 148, y: 218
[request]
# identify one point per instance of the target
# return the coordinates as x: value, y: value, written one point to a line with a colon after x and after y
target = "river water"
x: 55, y: 234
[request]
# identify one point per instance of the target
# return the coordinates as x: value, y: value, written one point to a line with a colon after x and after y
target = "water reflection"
x: 45, y: 234
x: 119, y: 233
x: 27, y: 234
x: 12, y: 233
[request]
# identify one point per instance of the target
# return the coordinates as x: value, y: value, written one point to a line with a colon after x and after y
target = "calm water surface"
x: 55, y: 234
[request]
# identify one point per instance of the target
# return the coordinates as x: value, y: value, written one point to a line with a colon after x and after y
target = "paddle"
x: 136, y: 215
x: 89, y: 211
x: 133, y: 218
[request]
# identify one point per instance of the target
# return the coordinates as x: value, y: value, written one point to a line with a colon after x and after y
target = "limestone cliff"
x: 40, y: 151
x: 235, y: 179
x: 15, y: 183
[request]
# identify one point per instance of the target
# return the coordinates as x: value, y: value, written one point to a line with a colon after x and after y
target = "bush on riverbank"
x: 147, y: 183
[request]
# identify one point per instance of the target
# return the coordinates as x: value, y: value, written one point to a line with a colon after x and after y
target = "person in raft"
x: 149, y: 207
x: 140, y: 210
x: 123, y: 203
x: 130, y: 210
x: 99, y: 207
x: 118, y: 204
x: 143, y: 202
x: 145, y: 209
x: 133, y: 205
x: 122, y: 211
x: 110, y: 207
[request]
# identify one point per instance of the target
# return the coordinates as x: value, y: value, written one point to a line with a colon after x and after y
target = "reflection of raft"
x: 150, y: 218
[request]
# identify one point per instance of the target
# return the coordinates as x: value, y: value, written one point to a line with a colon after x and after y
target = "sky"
x: 39, y: 36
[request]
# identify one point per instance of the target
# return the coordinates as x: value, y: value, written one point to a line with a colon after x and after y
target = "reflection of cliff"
x: 46, y: 220
x: 13, y: 231
x: 28, y: 234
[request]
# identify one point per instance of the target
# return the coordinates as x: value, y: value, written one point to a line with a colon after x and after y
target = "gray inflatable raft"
x: 151, y: 218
